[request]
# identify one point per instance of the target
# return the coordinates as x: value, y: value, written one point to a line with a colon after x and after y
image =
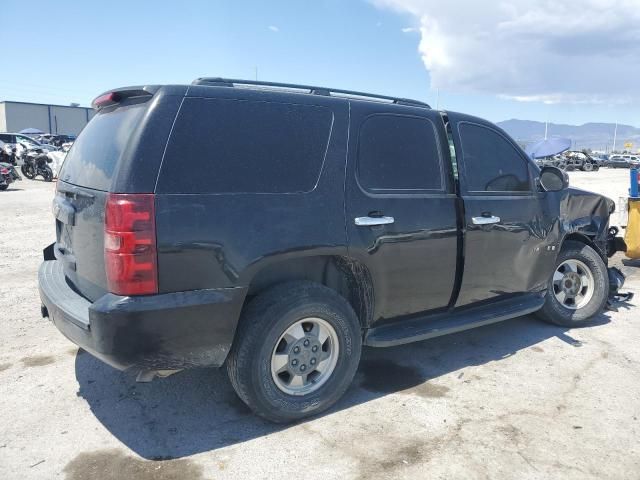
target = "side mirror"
x: 553, y: 179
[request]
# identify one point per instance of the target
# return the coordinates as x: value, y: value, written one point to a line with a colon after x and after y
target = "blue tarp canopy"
x: 548, y: 147
x: 31, y: 131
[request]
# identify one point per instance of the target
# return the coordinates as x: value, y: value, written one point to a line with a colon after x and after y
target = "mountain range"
x: 596, y: 136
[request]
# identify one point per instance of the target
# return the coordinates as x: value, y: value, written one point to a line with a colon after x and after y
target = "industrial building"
x: 56, y: 119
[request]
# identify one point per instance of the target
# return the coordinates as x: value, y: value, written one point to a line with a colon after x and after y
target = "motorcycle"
x: 34, y: 163
x: 8, y: 154
x: 8, y: 175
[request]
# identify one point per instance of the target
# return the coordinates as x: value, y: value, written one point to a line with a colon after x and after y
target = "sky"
x: 565, y: 61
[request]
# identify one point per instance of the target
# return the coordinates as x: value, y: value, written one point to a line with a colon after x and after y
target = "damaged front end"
x: 587, y: 214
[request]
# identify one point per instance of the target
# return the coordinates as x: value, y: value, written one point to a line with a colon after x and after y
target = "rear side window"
x: 93, y: 158
x: 491, y: 163
x: 398, y: 153
x: 242, y: 146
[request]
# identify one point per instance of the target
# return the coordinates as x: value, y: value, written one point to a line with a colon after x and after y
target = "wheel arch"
x: 587, y: 240
x: 349, y: 278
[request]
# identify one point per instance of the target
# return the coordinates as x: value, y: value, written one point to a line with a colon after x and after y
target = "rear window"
x: 93, y: 158
x: 242, y: 146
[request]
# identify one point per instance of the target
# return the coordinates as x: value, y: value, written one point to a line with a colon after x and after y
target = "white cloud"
x: 573, y: 51
x: 409, y: 30
x: 273, y: 28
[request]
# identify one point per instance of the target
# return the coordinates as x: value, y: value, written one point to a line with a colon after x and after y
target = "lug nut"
x: 312, y: 361
x: 294, y: 362
x: 306, y: 343
x: 314, y: 348
x: 296, y: 350
x: 303, y: 368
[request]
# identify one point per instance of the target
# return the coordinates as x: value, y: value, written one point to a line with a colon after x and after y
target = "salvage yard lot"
x: 519, y: 399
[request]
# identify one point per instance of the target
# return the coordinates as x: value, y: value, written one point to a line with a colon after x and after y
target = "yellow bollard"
x: 632, y: 235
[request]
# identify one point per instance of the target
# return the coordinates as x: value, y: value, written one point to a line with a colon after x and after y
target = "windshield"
x: 28, y: 140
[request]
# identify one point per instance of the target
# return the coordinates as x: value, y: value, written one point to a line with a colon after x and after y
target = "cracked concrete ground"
x: 515, y: 400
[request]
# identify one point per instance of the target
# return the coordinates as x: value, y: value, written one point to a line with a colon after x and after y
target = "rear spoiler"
x: 113, y: 97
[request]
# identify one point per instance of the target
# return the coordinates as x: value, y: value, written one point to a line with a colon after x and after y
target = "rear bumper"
x: 163, y: 332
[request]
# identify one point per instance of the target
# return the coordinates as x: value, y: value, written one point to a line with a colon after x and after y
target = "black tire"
x: 27, y: 171
x: 555, y: 312
x: 47, y: 173
x: 262, y: 323
x: 587, y: 167
x: 4, y: 187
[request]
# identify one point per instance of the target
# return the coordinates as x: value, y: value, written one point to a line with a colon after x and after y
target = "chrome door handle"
x: 373, y: 221
x: 485, y: 220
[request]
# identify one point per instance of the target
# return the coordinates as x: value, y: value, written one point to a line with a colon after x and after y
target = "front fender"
x: 585, y: 215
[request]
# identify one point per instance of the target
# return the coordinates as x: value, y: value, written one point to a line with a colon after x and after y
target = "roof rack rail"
x: 232, y: 82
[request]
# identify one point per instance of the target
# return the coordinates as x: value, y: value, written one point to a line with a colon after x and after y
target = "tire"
x: 27, y: 171
x: 47, y: 173
x: 4, y: 187
x: 587, y: 167
x: 584, y: 306
x: 264, y: 322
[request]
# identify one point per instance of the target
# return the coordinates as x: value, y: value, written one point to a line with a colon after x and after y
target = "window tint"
x: 491, y: 163
x: 241, y: 146
x: 398, y: 153
x: 93, y: 157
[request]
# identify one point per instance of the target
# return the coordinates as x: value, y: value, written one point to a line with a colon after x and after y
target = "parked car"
x: 622, y: 161
x: 552, y: 161
x: 581, y: 161
x: 17, y: 138
x: 276, y: 229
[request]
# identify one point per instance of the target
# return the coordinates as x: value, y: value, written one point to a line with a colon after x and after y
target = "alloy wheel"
x: 573, y: 284
x: 305, y: 356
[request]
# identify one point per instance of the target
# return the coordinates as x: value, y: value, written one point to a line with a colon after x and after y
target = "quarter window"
x: 245, y: 146
x: 491, y: 163
x: 398, y: 153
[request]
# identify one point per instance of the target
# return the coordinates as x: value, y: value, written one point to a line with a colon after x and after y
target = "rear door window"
x: 93, y: 158
x: 245, y: 146
x: 491, y: 162
x: 398, y: 154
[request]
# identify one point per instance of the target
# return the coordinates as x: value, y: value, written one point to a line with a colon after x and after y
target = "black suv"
x: 278, y: 228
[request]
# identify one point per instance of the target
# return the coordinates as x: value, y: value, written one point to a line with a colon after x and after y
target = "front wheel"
x: 587, y: 167
x: 28, y: 171
x: 296, y: 351
x: 579, y: 287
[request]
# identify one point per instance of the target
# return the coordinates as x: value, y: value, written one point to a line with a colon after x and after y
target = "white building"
x: 56, y: 119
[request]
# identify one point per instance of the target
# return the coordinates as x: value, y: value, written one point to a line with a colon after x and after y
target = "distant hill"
x: 597, y: 136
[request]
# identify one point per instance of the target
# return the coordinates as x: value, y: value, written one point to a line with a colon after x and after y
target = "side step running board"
x: 431, y: 326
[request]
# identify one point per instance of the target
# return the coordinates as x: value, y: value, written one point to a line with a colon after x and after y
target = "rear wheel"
x: 296, y: 351
x: 47, y: 174
x: 587, y: 167
x: 578, y: 288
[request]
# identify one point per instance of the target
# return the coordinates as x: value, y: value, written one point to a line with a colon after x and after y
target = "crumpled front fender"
x: 585, y: 213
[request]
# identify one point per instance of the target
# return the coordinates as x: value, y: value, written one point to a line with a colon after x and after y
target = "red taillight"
x: 106, y: 99
x: 130, y: 256
x: 4, y: 171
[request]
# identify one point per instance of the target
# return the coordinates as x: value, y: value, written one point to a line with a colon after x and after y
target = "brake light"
x: 4, y: 171
x: 130, y: 255
x: 106, y: 99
